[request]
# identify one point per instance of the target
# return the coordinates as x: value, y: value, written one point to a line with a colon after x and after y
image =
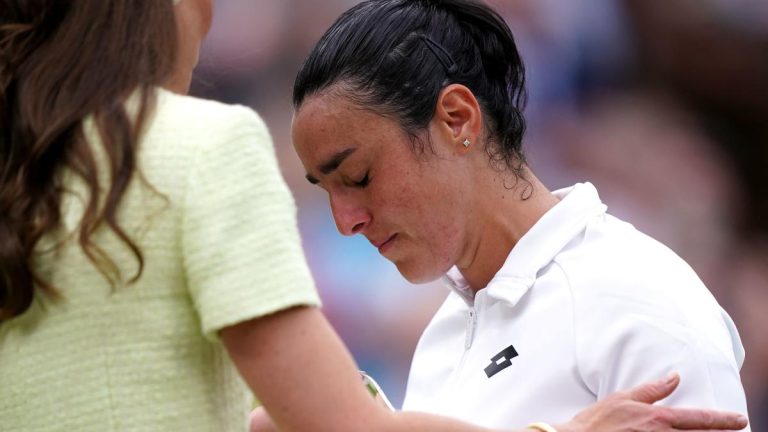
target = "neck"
x: 504, y: 216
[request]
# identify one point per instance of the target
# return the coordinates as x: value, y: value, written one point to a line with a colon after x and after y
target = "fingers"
x: 654, y: 391
x: 697, y: 419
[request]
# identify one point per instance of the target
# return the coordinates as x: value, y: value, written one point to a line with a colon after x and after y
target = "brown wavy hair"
x: 60, y: 62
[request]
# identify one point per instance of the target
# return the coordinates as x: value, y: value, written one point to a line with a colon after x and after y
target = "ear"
x: 458, y: 117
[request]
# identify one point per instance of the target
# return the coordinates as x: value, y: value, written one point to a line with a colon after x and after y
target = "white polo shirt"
x: 584, y: 305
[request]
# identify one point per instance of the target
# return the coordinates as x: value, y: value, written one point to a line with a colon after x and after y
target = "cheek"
x: 429, y: 218
x: 443, y: 241
x: 405, y: 204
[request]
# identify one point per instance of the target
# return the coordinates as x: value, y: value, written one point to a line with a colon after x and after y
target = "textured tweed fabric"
x: 217, y: 229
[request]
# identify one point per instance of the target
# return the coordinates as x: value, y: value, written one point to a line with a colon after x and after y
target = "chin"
x: 419, y: 274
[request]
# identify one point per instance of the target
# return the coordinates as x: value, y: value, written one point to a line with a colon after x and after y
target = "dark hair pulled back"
x: 395, y: 56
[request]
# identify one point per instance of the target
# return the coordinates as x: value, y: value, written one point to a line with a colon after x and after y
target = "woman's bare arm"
x: 304, y: 375
x: 306, y: 379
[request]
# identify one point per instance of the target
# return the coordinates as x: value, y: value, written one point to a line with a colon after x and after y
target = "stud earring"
x: 466, y: 142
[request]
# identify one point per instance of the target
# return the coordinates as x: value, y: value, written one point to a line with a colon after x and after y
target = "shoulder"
x: 622, y: 278
x: 208, y: 120
x: 611, y: 256
x: 187, y: 132
x: 640, y: 311
x: 616, y: 269
x: 195, y: 151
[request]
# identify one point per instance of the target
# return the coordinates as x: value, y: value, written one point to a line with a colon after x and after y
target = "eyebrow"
x: 332, y: 164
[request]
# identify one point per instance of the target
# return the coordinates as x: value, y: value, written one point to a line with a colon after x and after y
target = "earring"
x: 466, y: 142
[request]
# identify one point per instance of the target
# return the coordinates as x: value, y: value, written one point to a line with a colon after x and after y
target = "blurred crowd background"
x: 662, y: 105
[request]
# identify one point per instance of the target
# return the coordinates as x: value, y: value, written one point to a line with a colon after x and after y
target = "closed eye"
x: 363, y: 182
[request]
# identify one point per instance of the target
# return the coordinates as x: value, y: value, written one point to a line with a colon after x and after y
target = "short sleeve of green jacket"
x: 240, y: 241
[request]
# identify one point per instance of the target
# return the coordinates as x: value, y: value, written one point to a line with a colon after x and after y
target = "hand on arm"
x: 632, y: 410
x: 306, y: 379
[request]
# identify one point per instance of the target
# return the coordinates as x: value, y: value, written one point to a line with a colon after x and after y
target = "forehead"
x: 328, y: 123
x: 321, y: 117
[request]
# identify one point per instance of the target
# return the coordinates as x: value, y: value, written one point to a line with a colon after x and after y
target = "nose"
x: 351, y: 218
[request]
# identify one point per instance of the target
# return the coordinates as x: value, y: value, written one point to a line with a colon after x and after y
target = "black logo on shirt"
x: 501, y: 361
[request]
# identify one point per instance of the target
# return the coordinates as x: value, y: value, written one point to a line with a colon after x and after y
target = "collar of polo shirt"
x: 537, y: 247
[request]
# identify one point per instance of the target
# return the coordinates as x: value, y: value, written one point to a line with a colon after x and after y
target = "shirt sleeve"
x: 240, y: 242
x: 626, y: 341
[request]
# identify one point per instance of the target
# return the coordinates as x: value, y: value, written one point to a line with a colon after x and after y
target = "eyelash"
x: 364, y: 182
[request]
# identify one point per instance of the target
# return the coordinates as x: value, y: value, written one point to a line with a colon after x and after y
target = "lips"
x: 385, y: 245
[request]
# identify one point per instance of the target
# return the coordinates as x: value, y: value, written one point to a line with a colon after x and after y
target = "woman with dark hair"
x: 147, y: 240
x: 408, y: 113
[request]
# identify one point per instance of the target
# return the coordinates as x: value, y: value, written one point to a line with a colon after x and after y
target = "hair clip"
x: 441, y: 54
